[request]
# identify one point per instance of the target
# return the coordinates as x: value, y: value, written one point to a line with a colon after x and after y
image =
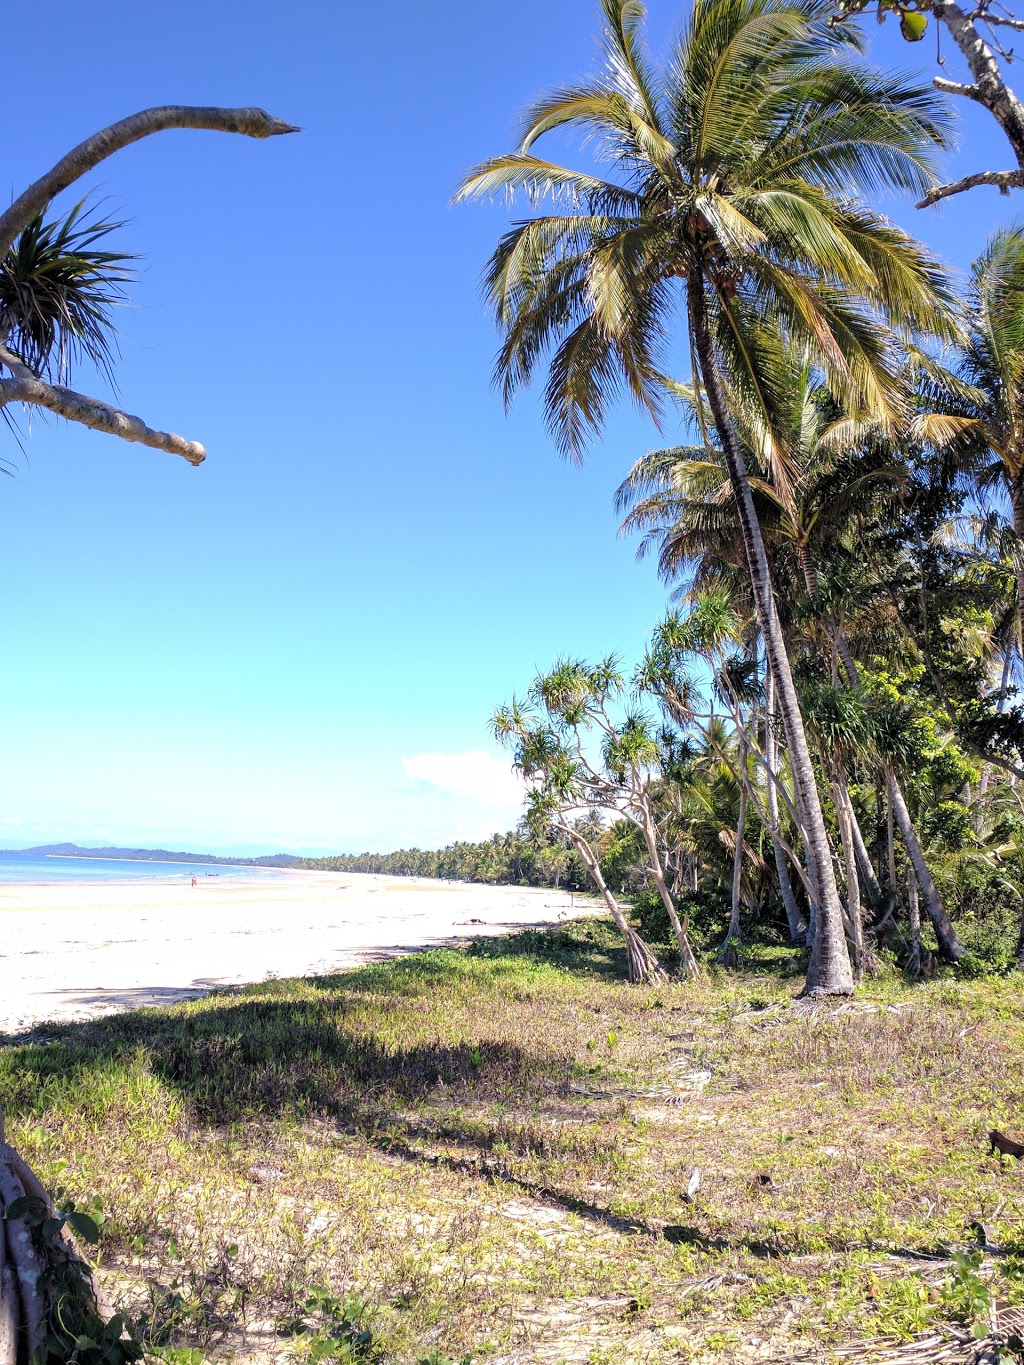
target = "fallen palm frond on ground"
x: 491, y: 1152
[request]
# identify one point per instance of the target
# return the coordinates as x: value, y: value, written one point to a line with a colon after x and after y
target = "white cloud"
x: 487, y: 780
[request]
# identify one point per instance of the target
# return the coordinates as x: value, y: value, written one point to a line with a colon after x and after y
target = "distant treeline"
x: 504, y: 858
x: 155, y: 855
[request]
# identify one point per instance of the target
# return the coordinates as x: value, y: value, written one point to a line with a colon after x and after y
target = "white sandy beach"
x: 72, y: 951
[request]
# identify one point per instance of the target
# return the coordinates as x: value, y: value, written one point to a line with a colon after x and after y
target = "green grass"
x: 486, y: 1151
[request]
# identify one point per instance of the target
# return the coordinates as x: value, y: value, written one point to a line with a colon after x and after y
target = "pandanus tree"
x: 59, y: 282
x: 567, y: 741
x: 742, y: 737
x: 711, y: 633
x: 738, y: 171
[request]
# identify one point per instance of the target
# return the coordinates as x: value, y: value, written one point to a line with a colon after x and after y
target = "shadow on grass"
x: 392, y: 1053
x: 787, y: 963
x: 257, y: 1060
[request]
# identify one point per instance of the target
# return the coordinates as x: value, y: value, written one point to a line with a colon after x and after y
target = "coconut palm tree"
x: 738, y: 170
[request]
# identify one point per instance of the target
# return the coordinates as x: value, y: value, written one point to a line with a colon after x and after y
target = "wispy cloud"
x: 478, y: 775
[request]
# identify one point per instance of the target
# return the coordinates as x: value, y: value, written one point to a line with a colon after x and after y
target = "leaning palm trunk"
x: 864, y: 955
x: 855, y: 927
x: 949, y: 943
x: 829, y: 971
x: 915, y: 964
x: 797, y: 927
x: 643, y: 967
x: 688, y: 965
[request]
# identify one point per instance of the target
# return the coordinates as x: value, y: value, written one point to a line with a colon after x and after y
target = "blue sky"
x: 298, y: 645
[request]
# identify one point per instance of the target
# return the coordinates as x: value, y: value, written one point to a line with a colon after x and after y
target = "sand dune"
x: 74, y: 951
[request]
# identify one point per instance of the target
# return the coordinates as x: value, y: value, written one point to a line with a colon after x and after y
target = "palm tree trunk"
x: 949, y: 943
x: 797, y: 927
x: 727, y: 954
x: 643, y: 967
x: 915, y: 964
x: 856, y: 926
x: 829, y: 971
x: 687, y: 962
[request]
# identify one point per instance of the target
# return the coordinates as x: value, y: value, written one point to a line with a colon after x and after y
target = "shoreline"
x: 164, y: 862
x: 74, y: 950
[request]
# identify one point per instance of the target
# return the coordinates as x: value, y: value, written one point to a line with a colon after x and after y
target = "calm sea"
x: 16, y: 868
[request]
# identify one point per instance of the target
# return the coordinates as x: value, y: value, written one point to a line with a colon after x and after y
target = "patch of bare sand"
x: 76, y: 950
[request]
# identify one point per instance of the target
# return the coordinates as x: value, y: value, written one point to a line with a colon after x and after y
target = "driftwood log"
x: 50, y: 1304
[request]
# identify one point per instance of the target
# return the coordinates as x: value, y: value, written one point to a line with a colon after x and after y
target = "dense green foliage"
x: 513, y: 859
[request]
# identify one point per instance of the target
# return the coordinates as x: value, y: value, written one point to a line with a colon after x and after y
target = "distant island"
x: 151, y: 855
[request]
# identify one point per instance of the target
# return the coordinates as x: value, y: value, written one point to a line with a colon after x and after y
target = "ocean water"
x: 23, y: 869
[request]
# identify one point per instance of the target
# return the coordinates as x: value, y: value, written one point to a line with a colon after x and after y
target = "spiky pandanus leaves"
x: 58, y: 288
x: 544, y: 735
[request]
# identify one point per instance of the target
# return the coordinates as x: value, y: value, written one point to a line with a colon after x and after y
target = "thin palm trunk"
x: 734, y: 936
x: 829, y: 971
x: 797, y: 927
x: 915, y: 964
x: 643, y: 967
x: 949, y: 943
x: 853, y: 915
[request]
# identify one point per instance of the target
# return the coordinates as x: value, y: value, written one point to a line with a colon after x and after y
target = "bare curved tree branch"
x: 1003, y: 180
x: 81, y: 159
x: 1002, y: 20
x: 969, y: 92
x: 26, y: 387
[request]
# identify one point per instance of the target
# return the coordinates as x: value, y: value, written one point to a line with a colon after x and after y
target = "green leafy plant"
x: 967, y: 1294
x: 342, y: 1333
x: 75, y: 1329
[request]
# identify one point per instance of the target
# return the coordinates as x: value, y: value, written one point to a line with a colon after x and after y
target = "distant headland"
x: 151, y: 855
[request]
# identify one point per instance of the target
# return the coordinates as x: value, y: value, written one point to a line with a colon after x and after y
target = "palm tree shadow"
x: 239, y: 1060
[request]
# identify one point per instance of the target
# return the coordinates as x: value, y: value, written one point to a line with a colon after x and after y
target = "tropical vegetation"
x: 841, y: 533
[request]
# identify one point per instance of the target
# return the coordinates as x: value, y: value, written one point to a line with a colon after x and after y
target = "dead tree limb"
x: 88, y: 154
